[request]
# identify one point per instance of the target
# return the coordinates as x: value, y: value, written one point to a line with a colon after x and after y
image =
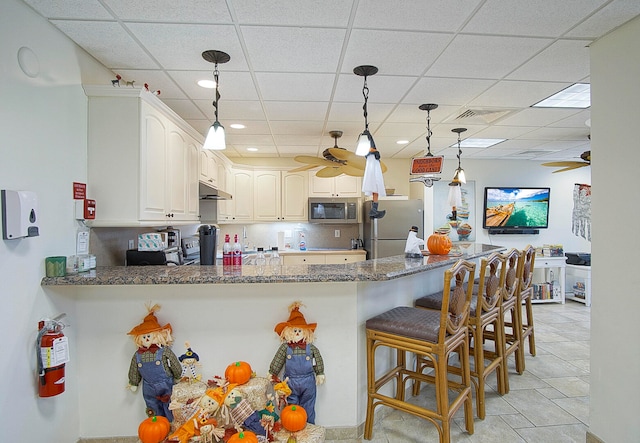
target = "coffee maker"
x: 174, y: 242
x: 208, y: 243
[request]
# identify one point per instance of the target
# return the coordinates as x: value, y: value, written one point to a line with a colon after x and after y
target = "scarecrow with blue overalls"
x: 301, y: 360
x: 154, y: 364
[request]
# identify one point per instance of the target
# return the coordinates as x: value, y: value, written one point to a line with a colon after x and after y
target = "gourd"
x: 238, y: 372
x: 154, y: 429
x: 293, y: 418
x: 439, y: 244
x: 243, y: 437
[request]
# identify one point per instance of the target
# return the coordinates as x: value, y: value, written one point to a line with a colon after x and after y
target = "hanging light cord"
x: 459, y: 152
x: 429, y: 133
x: 365, y: 94
x: 216, y: 73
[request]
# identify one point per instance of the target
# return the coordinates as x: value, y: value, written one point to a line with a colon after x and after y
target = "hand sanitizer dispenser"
x: 19, y: 214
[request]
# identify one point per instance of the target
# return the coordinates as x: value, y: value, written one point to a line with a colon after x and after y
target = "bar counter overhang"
x: 228, y: 315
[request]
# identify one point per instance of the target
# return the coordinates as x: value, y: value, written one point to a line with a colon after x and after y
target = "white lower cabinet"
x: 319, y: 258
x: 142, y: 160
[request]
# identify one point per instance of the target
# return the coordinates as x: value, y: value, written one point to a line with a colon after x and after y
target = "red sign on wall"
x: 79, y: 191
x: 427, y: 165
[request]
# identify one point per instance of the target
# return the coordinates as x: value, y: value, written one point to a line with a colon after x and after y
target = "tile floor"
x: 549, y: 402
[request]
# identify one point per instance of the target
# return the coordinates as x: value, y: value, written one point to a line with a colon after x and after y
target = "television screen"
x: 515, y: 208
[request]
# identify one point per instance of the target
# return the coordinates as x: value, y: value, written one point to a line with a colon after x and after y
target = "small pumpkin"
x: 238, y: 372
x: 439, y: 244
x: 154, y: 429
x: 293, y: 418
x: 243, y: 437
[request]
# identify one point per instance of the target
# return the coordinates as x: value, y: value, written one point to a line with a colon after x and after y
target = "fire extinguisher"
x: 52, y: 349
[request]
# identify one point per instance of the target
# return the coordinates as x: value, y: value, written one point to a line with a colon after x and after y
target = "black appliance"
x: 208, y: 235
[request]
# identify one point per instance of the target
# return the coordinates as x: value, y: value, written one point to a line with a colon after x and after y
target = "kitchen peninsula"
x: 228, y: 315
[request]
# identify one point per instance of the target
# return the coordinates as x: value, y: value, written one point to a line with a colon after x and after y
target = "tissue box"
x: 156, y: 241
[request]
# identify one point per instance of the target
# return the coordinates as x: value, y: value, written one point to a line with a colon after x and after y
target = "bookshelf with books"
x: 579, y: 284
x: 549, y: 279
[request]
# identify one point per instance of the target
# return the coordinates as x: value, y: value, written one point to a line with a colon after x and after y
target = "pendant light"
x: 365, y: 140
x: 215, y: 137
x: 455, y: 192
x: 428, y: 107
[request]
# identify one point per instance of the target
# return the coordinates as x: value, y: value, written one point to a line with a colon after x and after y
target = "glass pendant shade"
x: 215, y: 137
x: 459, y: 176
x: 455, y: 195
x: 364, y: 143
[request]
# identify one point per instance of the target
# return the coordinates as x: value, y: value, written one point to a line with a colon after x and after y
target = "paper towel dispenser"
x: 19, y: 214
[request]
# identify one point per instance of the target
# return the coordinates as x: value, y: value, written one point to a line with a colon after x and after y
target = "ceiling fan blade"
x: 316, y: 161
x: 329, y: 171
x: 569, y: 168
x: 302, y: 168
x: 353, y: 160
x: 565, y: 163
x: 350, y: 170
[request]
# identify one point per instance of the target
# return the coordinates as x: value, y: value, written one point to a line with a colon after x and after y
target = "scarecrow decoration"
x: 154, y: 364
x: 201, y: 422
x: 300, y: 358
x: 190, y: 362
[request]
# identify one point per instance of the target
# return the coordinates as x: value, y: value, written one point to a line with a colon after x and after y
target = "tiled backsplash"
x: 109, y: 244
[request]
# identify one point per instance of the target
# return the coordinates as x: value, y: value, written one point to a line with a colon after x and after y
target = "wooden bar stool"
x: 430, y: 334
x: 525, y: 292
x: 484, y: 313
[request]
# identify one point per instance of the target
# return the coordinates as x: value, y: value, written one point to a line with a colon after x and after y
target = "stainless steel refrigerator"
x: 387, y: 236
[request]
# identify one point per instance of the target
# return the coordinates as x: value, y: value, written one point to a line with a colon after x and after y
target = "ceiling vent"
x: 480, y: 116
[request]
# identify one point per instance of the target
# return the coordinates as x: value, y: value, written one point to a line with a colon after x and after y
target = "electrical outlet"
x: 131, y: 244
x: 336, y: 233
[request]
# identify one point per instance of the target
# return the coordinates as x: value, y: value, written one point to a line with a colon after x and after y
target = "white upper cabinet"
x: 242, y: 192
x: 280, y: 195
x: 295, y: 196
x: 340, y: 186
x: 142, y: 160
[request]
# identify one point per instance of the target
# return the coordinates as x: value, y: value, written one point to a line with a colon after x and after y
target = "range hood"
x: 208, y: 192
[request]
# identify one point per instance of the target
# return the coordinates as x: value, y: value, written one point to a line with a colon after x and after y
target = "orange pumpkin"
x: 293, y: 418
x: 238, y: 372
x: 243, y: 437
x: 439, y: 244
x: 154, y: 429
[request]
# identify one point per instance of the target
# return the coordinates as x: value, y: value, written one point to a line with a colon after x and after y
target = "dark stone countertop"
x: 370, y: 270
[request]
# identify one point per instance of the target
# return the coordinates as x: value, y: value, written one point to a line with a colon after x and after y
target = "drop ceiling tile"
x: 74, y: 9
x: 233, y: 109
x: 553, y: 134
x: 156, y: 81
x: 296, y: 110
x: 184, y: 11
x: 506, y: 132
x: 250, y: 140
x: 393, y: 52
x: 610, y: 17
x: 449, y: 91
x: 353, y: 112
x: 530, y: 17
x: 382, y: 88
x: 299, y: 86
x: 517, y: 144
x: 180, y: 46
x: 534, y: 117
x: 485, y: 56
x: 413, y: 114
x: 307, y: 49
x: 517, y: 94
x: 564, y: 60
x: 252, y: 127
x: 185, y: 108
x: 418, y: 15
x: 202, y: 126
x: 313, y: 128
x: 108, y: 43
x: 576, y: 120
x: 314, y: 141
x: 400, y: 130
x: 233, y: 85
x: 331, y: 13
x: 292, y: 151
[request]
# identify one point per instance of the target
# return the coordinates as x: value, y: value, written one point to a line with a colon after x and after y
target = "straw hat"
x: 150, y: 323
x: 296, y: 320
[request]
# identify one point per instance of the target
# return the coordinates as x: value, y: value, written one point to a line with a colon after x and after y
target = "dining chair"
x: 525, y: 293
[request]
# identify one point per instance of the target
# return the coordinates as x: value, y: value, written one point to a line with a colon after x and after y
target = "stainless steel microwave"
x: 334, y: 210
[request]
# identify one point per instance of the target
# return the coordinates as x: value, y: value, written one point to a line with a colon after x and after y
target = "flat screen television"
x: 515, y: 210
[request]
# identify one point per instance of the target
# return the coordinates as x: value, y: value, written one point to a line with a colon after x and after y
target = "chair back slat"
x: 514, y: 267
x: 529, y: 257
x: 456, y: 299
x: 491, y: 287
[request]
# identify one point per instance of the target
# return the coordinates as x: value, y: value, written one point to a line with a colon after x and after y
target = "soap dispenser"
x: 19, y: 211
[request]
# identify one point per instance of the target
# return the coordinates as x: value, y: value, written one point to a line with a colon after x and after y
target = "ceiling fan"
x: 569, y: 165
x: 335, y: 161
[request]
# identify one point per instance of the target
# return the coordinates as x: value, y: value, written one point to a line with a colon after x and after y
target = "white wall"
x: 615, y: 353
x: 42, y: 149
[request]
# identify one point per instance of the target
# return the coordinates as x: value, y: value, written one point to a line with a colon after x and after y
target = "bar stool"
x: 433, y: 335
x: 525, y: 292
x: 484, y: 312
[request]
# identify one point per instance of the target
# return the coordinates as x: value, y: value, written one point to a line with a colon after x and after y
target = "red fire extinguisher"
x: 52, y: 349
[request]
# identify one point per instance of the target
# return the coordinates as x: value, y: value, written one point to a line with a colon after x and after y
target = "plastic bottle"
x: 237, y: 252
x: 261, y: 261
x: 303, y: 244
x: 275, y: 260
x: 226, y: 251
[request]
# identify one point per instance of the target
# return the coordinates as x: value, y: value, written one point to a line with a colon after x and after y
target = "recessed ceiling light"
x: 478, y: 142
x: 209, y: 84
x: 577, y: 95
x: 402, y: 142
x: 252, y: 149
x: 237, y: 126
